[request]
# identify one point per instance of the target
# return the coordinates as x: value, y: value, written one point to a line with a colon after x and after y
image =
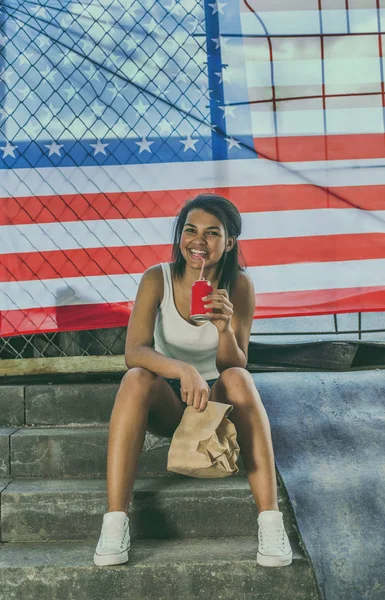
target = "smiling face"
x: 203, y: 235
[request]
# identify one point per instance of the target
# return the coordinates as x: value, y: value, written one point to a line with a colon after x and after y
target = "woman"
x: 190, y: 364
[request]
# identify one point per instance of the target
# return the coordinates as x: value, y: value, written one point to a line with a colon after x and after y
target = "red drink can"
x: 199, y: 290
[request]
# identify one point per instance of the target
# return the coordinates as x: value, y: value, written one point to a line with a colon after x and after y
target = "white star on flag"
x: 150, y: 25
x: 46, y: 71
x: 25, y: 58
x: 228, y: 110
x: 227, y: 76
x: 24, y: 91
x: 6, y: 75
x: 193, y: 23
x: 182, y: 78
x: 3, y: 40
x: 115, y: 58
x: 144, y: 145
x: 70, y: 92
x: 161, y: 90
x: 189, y: 143
x: 40, y: 11
x: 66, y: 62
x: 92, y: 74
x: 177, y: 10
x: 99, y: 147
x: 87, y: 46
x: 165, y: 126
x: 33, y: 129
x: 54, y: 110
x: 220, y: 42
x: 97, y: 108
x: 120, y: 128
x: 219, y: 75
x: 51, y: 76
x: 129, y: 44
x: 232, y: 143
x: 134, y: 9
x: 54, y: 148
x: 8, y: 150
x: 141, y: 108
x: 66, y: 21
x: 115, y: 91
x: 218, y: 7
x: 42, y: 42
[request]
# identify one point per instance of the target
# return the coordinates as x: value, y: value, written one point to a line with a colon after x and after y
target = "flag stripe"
x: 273, y: 305
x: 115, y: 261
x: 120, y: 288
x: 321, y: 147
x: 137, y: 232
x: 189, y: 176
x: 51, y: 209
x: 306, y: 22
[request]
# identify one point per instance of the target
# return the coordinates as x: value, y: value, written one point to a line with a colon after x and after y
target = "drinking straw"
x: 203, y: 266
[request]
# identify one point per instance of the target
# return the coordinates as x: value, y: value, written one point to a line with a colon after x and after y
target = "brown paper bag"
x: 205, y: 443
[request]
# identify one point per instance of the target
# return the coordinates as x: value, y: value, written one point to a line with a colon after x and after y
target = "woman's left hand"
x: 222, y: 309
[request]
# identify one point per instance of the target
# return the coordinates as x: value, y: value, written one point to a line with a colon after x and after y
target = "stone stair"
x: 191, y: 537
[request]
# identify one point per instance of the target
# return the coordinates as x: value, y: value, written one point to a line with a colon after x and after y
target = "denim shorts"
x: 175, y: 385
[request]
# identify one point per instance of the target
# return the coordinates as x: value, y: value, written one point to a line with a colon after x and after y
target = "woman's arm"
x: 233, y: 343
x: 140, y: 331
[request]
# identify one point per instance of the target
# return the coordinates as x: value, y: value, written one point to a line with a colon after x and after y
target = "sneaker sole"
x: 103, y: 560
x: 274, y: 561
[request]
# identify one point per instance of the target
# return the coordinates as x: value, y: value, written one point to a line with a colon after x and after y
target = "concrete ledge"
x: 70, y: 510
x: 69, y: 403
x: 157, y: 570
x: 65, y: 365
x: 74, y: 452
x: 320, y: 355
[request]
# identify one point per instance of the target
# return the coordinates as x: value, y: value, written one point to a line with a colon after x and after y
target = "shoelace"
x: 272, y: 537
x: 112, y: 537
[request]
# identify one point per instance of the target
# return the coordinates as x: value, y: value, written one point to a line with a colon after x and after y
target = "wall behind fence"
x: 114, y: 113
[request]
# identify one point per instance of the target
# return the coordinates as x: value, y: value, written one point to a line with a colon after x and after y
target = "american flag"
x: 113, y: 114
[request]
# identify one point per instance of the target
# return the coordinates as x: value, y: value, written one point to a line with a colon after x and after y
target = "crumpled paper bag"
x: 205, y: 443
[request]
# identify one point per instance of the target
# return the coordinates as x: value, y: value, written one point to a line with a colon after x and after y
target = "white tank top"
x: 176, y: 338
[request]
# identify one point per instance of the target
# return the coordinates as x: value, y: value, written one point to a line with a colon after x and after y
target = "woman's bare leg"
x: 235, y: 386
x: 140, y: 392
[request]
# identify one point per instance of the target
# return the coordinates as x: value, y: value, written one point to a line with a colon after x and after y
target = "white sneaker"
x: 273, y: 544
x: 114, y: 541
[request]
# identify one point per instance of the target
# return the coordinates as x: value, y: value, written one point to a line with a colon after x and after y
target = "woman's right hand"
x: 194, y: 389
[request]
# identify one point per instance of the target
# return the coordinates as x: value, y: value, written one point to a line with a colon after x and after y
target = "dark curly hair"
x: 228, y: 267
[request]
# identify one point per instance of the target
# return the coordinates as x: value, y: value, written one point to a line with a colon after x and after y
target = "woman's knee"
x: 136, y: 382
x: 238, y: 386
x: 236, y: 378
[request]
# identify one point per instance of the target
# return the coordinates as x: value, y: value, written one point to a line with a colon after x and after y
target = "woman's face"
x: 203, y: 232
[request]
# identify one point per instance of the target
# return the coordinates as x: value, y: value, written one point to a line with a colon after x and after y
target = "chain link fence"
x: 104, y: 342
x: 81, y: 83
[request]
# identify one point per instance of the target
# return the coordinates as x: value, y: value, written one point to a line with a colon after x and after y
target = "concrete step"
x: 41, y: 510
x: 194, y: 569
x: 71, y: 452
x: 56, y: 404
